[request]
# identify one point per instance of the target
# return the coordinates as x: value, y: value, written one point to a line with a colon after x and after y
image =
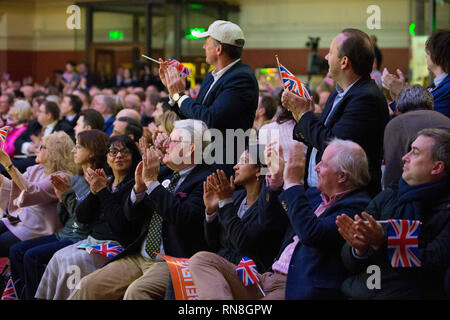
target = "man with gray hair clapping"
x: 167, y: 204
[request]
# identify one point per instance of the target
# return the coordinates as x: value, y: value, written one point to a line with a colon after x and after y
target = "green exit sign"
x: 192, y: 32
x: 115, y: 35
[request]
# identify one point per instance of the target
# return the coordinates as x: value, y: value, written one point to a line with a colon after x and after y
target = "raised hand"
x: 139, y: 184
x: 60, y: 185
x: 163, y: 71
x: 296, y: 104
x: 151, y: 165
x: 97, y: 179
x: 172, y: 80
x: 393, y: 83
x: 273, y: 155
x: 221, y: 186
x: 294, y: 171
x: 210, y: 198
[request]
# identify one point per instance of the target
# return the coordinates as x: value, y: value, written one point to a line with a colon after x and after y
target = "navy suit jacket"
x: 441, y: 97
x: 108, y: 126
x: 231, y: 103
x: 258, y: 235
x: 316, y: 270
x: 360, y: 116
x: 34, y: 128
x: 182, y: 213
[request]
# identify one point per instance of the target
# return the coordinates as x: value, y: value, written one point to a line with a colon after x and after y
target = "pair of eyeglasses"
x: 174, y: 140
x: 114, y: 152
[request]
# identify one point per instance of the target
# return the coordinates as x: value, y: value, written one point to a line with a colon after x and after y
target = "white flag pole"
x: 151, y: 59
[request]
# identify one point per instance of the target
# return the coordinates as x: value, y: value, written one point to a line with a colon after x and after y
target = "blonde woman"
x: 29, y: 199
x: 18, y: 117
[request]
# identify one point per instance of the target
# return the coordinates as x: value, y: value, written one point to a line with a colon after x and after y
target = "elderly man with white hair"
x: 167, y: 206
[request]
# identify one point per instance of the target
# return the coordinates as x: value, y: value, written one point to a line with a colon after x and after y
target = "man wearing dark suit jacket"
x: 172, y: 209
x: 315, y: 270
x: 228, y: 97
x: 356, y: 110
x: 46, y: 123
x: 70, y: 109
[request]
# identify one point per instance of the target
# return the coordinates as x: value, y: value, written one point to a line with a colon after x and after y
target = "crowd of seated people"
x: 310, y: 200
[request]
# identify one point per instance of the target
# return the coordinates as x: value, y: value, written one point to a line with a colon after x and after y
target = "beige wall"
x: 284, y: 24
x: 38, y: 26
x: 288, y: 23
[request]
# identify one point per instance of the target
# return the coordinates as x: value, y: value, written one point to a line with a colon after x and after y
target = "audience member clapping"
x: 247, y: 222
x: 421, y: 195
x: 30, y: 197
x: 30, y: 257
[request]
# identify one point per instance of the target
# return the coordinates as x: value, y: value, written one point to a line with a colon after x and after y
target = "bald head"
x: 130, y: 113
x: 132, y: 101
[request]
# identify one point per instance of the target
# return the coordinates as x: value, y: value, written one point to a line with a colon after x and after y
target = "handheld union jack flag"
x: 247, y: 271
x: 180, y: 67
x: 109, y: 250
x: 3, y: 133
x: 292, y: 83
x: 403, y: 243
x: 10, y: 292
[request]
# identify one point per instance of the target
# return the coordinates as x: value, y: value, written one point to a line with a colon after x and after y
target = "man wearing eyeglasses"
x: 228, y: 97
x: 167, y: 203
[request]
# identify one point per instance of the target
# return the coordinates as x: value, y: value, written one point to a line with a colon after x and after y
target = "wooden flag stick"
x: 278, y: 67
x: 151, y: 59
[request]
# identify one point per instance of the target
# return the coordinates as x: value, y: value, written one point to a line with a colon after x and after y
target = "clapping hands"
x: 60, y: 185
x: 215, y: 188
x: 148, y: 169
x: 361, y: 234
x: 393, y: 83
x: 96, y: 179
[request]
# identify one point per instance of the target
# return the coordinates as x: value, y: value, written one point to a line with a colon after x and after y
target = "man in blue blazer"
x: 106, y: 106
x: 438, y: 62
x: 437, y: 50
x: 174, y: 197
x: 315, y: 269
x: 356, y: 110
x: 228, y: 97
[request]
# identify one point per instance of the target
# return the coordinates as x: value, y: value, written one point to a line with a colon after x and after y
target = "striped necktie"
x: 153, y: 239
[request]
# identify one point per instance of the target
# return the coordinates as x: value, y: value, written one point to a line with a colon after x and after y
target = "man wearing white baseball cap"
x: 228, y: 97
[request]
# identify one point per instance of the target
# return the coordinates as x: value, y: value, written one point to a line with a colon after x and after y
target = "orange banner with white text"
x: 183, y: 284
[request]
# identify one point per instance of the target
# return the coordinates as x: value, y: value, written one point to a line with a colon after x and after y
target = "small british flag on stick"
x: 403, y: 243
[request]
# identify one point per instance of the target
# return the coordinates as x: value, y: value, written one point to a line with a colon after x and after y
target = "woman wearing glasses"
x: 29, y: 258
x: 28, y: 199
x: 70, y: 264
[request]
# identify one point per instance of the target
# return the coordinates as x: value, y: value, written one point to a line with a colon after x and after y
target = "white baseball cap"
x: 225, y: 32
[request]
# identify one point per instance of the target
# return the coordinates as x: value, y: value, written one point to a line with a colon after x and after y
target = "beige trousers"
x: 131, y: 278
x: 215, y: 278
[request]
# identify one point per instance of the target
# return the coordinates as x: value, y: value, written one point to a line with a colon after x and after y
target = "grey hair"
x: 109, y: 102
x: 197, y: 129
x: 351, y: 160
x: 441, y: 148
x: 414, y: 97
x: 23, y: 110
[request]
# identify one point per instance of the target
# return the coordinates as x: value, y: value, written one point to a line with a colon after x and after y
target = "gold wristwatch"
x: 176, y: 97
